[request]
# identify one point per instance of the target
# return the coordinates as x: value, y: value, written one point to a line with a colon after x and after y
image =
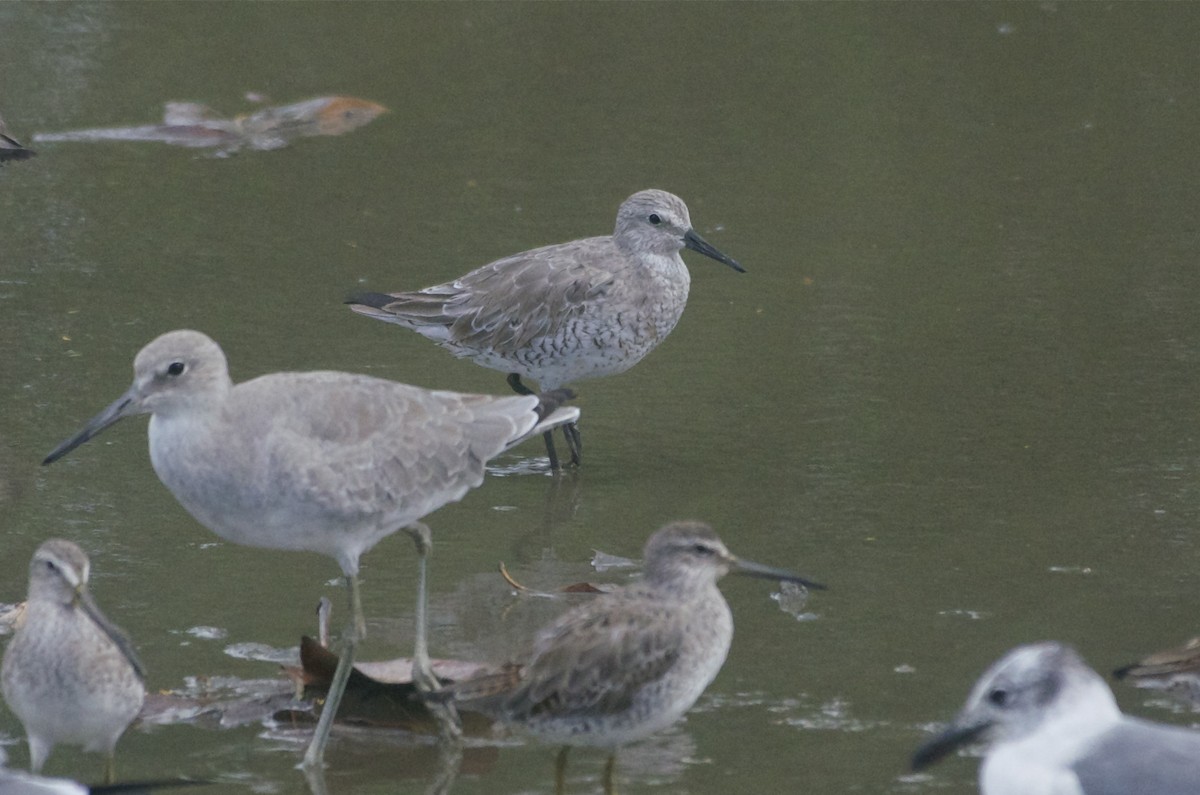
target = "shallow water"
x: 956, y: 383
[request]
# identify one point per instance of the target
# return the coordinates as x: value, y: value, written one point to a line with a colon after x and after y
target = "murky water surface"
x: 957, y: 383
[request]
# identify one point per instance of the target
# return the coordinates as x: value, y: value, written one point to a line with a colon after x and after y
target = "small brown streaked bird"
x: 1176, y: 671
x: 627, y: 663
x: 69, y: 674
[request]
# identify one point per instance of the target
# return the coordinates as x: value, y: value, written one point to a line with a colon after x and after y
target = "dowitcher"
x: 326, y: 462
x: 69, y: 674
x: 567, y: 312
x: 628, y: 663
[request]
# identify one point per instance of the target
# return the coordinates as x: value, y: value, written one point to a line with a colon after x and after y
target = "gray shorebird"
x: 1051, y: 725
x: 563, y: 313
x: 628, y: 663
x: 325, y: 462
x: 69, y: 674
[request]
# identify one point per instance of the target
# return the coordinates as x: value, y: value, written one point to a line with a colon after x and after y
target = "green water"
x: 956, y: 383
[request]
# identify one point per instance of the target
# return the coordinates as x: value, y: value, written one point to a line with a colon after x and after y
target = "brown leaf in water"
x: 584, y: 587
x: 382, y: 693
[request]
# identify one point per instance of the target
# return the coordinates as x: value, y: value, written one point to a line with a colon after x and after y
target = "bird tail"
x: 550, y: 400
x: 552, y: 413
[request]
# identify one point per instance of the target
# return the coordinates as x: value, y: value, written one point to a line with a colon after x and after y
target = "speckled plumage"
x: 631, y: 662
x: 69, y: 674
x: 566, y: 312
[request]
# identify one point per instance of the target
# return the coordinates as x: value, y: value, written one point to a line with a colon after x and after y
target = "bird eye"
x: 999, y: 697
x: 50, y: 565
x: 654, y: 219
x: 176, y: 368
x: 702, y: 549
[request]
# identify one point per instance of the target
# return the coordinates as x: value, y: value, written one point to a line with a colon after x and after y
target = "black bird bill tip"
x: 117, y: 410
x: 752, y: 569
x: 700, y: 245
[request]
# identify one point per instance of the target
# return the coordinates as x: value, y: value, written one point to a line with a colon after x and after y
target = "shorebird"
x: 325, y: 462
x: 563, y: 313
x: 69, y: 674
x: 1052, y: 727
x: 1176, y: 671
x: 630, y: 662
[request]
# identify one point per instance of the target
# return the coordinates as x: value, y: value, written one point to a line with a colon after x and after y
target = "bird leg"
x: 444, y: 712
x: 570, y: 430
x: 574, y: 442
x: 110, y: 768
x: 610, y: 768
x: 551, y: 453
x: 514, y: 381
x: 560, y: 771
x: 314, y: 757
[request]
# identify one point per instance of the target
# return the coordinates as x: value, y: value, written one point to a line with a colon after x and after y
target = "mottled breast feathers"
x: 573, y: 661
x: 545, y: 289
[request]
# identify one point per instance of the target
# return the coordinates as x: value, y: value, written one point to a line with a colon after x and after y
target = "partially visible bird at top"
x: 583, y: 309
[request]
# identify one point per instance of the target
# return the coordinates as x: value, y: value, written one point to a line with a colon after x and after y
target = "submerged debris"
x: 192, y: 124
x: 579, y: 587
x: 380, y: 694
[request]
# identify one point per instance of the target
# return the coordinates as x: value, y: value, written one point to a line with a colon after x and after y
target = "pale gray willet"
x: 563, y: 313
x: 326, y: 462
x: 1052, y: 727
x: 69, y: 674
x: 627, y: 663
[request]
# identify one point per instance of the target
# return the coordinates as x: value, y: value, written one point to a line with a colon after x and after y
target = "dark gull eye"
x: 176, y: 368
x: 999, y: 697
x: 654, y: 219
